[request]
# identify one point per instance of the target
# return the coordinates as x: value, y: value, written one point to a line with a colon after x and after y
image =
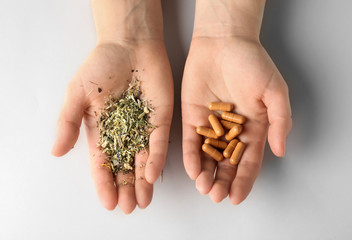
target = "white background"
x: 306, y: 195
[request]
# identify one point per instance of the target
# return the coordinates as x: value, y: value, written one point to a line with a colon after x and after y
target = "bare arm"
x: 227, y: 63
x: 129, y: 36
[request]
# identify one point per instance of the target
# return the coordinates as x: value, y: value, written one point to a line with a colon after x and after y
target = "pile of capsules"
x: 232, y: 148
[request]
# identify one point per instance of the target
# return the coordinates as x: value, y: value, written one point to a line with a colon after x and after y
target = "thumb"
x: 276, y: 99
x: 69, y: 122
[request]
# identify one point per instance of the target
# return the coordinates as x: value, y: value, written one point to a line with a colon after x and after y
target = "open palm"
x: 108, y: 71
x: 239, y: 71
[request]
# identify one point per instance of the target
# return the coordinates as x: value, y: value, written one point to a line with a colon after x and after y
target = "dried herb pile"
x: 124, y: 128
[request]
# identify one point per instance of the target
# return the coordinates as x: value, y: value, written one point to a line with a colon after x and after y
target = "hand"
x: 237, y: 70
x: 108, y: 68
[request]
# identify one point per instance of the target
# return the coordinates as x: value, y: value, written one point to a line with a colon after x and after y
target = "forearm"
x: 127, y: 20
x: 224, y: 18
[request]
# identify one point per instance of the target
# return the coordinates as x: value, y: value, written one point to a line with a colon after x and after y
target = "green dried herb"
x: 124, y: 128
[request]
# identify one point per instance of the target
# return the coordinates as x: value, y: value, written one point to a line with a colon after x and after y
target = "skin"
x: 129, y: 37
x: 227, y: 63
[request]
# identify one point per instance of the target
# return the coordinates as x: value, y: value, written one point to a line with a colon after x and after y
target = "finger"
x: 225, y: 174
x: 143, y: 189
x: 193, y: 116
x: 102, y: 176
x: 158, y: 144
x: 191, y: 151
x: 69, y: 121
x: 249, y: 165
x: 126, y: 191
x: 276, y: 99
x: 204, y: 181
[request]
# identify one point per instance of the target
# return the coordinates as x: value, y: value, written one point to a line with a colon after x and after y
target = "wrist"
x: 228, y: 18
x: 127, y: 20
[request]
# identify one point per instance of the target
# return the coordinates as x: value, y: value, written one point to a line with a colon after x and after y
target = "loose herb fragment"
x: 124, y: 128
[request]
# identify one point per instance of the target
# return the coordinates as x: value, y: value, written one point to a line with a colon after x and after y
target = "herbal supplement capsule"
x: 234, y: 132
x: 230, y: 148
x: 207, y: 132
x: 212, y: 152
x: 216, y: 143
x: 233, y: 117
x: 220, y: 106
x: 227, y: 125
x: 237, y: 153
x: 215, y: 123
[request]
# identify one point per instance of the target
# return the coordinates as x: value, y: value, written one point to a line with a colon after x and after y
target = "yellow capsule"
x: 212, y: 152
x: 220, y: 106
x: 237, y: 153
x: 207, y: 132
x: 215, y: 123
x: 230, y: 148
x: 232, y: 117
x: 227, y: 125
x: 216, y: 143
x: 234, y: 132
